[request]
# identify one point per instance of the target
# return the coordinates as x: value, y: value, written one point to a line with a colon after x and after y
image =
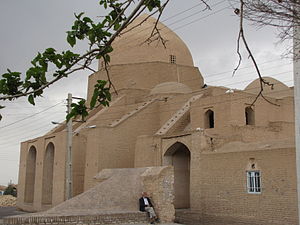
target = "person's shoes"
x: 152, y: 222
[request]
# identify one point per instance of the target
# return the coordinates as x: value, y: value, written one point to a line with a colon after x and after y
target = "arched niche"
x: 47, y: 187
x: 30, y: 175
x: 178, y: 155
x: 249, y: 116
x: 209, y: 120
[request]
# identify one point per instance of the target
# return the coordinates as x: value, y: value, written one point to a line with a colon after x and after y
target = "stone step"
x: 98, y: 219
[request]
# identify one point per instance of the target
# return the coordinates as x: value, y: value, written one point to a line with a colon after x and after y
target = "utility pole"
x: 69, y: 175
x: 296, y: 65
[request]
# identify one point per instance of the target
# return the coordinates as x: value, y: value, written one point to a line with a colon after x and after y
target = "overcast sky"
x: 33, y: 25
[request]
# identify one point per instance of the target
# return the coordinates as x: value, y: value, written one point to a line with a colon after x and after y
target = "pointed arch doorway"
x: 179, y: 156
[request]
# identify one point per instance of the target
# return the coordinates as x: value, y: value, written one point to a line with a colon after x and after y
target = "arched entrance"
x: 178, y: 155
x: 48, y: 174
x: 30, y: 175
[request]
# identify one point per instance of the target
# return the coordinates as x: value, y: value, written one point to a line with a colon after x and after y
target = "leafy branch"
x: 99, y: 35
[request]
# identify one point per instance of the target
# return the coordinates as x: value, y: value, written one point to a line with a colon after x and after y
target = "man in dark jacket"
x: 146, y: 206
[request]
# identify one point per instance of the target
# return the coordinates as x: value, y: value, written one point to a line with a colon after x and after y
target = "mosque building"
x: 233, y: 161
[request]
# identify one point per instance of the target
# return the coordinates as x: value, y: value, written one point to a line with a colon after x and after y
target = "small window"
x: 209, y: 119
x: 173, y: 59
x: 253, y: 182
x: 249, y: 114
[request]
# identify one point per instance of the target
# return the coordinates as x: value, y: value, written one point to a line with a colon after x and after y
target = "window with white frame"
x: 253, y: 182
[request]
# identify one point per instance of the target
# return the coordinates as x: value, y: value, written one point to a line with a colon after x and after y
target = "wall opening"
x: 173, y: 59
x: 47, y: 187
x: 253, y: 182
x: 30, y: 175
x: 249, y: 114
x: 209, y: 119
x: 178, y: 155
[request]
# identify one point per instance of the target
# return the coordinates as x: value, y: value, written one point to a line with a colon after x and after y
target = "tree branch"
x: 241, y: 36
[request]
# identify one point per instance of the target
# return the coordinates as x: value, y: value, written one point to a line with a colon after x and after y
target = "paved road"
x: 9, y: 211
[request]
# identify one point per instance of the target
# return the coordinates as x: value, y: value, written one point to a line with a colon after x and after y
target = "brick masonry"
x: 118, y: 218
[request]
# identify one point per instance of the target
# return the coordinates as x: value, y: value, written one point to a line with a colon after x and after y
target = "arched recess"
x: 209, y: 119
x: 47, y: 187
x: 249, y: 114
x: 178, y: 155
x: 30, y: 175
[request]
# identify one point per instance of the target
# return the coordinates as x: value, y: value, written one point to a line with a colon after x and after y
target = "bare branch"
x: 241, y: 36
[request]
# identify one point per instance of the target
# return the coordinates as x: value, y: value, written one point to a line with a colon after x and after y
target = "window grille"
x: 172, y: 59
x: 253, y: 182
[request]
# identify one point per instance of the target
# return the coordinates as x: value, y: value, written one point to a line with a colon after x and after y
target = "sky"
x: 30, y: 26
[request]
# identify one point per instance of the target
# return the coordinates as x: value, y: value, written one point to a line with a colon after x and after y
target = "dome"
x: 170, y: 87
x: 132, y: 47
x: 279, y: 89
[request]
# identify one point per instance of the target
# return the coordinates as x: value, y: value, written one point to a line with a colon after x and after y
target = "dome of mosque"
x: 278, y: 90
x: 133, y: 46
x: 170, y: 87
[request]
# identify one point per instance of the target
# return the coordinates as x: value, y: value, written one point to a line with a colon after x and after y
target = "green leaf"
x: 107, y: 58
x: 78, y: 109
x: 31, y: 99
x: 69, y: 116
x: 79, y: 15
x: 87, y: 19
x: 94, y: 98
x: 117, y: 26
x: 71, y: 39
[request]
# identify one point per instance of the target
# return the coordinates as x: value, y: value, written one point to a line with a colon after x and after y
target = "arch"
x: 30, y: 175
x: 209, y: 121
x: 249, y: 115
x: 47, y: 187
x: 178, y: 155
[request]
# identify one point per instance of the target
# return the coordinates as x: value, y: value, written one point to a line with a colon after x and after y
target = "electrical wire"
x: 25, y: 118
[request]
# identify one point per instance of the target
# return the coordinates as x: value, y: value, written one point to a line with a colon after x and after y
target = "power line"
x: 25, y: 118
x: 191, y: 15
x: 19, y: 130
x: 201, y: 18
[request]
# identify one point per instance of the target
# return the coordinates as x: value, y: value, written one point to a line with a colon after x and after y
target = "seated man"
x: 146, y: 206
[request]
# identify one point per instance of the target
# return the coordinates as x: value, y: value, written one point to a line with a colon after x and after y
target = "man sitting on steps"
x: 146, y: 206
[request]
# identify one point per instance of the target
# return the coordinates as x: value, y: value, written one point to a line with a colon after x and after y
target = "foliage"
x: 98, y: 34
x: 10, y: 190
x: 78, y: 109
